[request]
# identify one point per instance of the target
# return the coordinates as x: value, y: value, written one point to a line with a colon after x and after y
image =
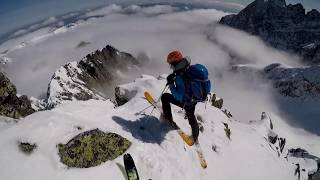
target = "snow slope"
x: 158, y: 151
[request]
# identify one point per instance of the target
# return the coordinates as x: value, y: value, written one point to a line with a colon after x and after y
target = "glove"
x: 170, y: 79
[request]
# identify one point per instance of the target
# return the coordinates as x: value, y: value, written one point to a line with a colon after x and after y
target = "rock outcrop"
x: 90, y: 78
x: 27, y: 148
x: 308, y: 161
x: 216, y: 101
x: 286, y: 27
x: 292, y: 82
x: 91, y: 148
x: 10, y: 104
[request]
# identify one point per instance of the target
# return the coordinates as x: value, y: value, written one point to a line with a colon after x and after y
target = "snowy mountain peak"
x: 66, y: 85
x: 89, y: 78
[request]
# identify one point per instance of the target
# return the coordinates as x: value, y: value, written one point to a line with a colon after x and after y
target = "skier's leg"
x: 193, y: 122
x: 166, y: 108
x: 166, y: 99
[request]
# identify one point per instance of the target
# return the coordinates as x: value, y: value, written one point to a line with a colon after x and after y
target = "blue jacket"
x: 178, y: 89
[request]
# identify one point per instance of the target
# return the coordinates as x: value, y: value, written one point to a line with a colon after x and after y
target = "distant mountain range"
x: 300, y: 82
x: 285, y: 27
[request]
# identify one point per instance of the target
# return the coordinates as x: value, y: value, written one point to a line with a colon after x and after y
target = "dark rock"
x: 297, y: 171
x: 214, y: 148
x: 265, y: 117
x: 26, y: 147
x: 92, y: 148
x: 315, y: 175
x: 282, y: 143
x: 216, y: 102
x: 313, y: 15
x: 295, y: 82
x: 227, y: 130
x: 199, y: 118
x: 6, y: 88
x: 227, y: 113
x: 301, y: 153
x: 201, y: 128
x: 10, y: 104
x: 121, y: 99
x: 213, y: 97
x: 292, y: 82
x: 286, y: 27
x: 272, y: 137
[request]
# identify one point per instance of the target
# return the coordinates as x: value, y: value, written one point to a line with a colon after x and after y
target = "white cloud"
x: 250, y: 48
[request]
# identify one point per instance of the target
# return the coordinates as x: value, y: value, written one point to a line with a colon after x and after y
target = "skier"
x: 180, y: 95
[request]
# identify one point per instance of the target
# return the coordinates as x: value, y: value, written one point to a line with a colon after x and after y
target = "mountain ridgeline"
x: 90, y: 78
x: 285, y: 27
x: 298, y: 82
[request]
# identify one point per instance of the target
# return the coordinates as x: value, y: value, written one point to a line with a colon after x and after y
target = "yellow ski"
x: 187, y: 139
x: 203, y: 161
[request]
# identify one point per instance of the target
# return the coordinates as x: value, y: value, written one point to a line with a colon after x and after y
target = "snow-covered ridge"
x: 66, y: 85
x: 302, y: 82
x: 88, y: 78
x: 158, y: 151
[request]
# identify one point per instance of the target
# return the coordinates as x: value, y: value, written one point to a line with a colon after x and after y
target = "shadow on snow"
x: 147, y: 129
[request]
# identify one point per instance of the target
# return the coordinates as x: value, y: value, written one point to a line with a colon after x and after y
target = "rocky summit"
x: 89, y: 78
x: 286, y: 27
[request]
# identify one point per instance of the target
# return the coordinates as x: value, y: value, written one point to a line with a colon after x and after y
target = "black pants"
x: 166, y: 99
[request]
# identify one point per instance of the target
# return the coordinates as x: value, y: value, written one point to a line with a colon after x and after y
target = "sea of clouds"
x: 152, y: 32
x: 11, y: 12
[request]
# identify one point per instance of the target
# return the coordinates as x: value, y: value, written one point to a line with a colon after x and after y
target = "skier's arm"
x: 178, y: 89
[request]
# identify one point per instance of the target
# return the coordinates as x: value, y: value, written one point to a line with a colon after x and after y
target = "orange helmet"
x: 174, y: 56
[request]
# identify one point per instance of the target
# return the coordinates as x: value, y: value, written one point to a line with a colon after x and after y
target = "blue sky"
x: 18, y: 13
